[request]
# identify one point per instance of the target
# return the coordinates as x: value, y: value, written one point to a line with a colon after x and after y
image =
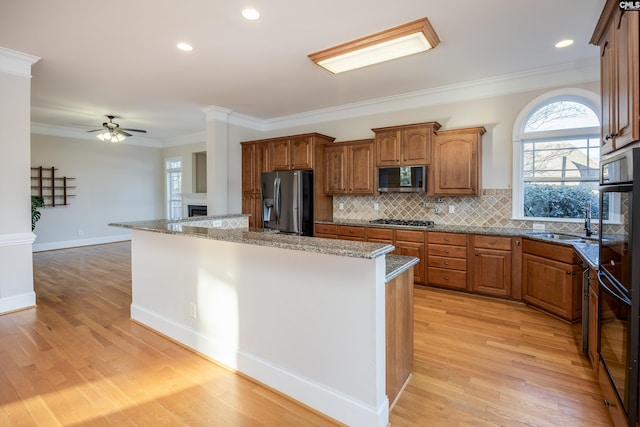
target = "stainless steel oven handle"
x: 613, y: 292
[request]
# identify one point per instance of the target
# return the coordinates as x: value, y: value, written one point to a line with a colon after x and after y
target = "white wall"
x: 114, y: 183
x: 16, y: 268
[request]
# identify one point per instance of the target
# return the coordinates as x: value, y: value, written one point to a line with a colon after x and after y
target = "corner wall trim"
x: 40, y: 247
x: 17, y: 302
x: 17, y: 239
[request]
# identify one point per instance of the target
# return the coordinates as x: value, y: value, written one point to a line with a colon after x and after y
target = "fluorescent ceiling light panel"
x: 414, y: 37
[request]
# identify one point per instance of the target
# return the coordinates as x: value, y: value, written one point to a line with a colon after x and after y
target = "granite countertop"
x: 587, y: 249
x: 398, y: 264
x: 260, y: 237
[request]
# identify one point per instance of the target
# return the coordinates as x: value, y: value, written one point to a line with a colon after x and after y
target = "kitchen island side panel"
x: 307, y: 324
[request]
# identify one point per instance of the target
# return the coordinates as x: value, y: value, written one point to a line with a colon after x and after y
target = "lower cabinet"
x: 447, y: 260
x: 348, y: 232
x: 411, y: 243
x: 327, y: 231
x: 593, y: 319
x: 551, y: 279
x: 252, y: 204
x: 491, y: 265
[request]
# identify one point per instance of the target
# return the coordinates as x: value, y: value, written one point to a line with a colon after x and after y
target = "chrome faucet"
x: 587, y: 218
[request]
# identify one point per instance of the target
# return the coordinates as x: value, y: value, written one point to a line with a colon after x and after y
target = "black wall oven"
x: 619, y: 276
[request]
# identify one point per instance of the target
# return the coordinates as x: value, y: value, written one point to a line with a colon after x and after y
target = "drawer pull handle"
x: 607, y: 403
x: 446, y: 277
x: 492, y: 242
x: 446, y: 263
x: 446, y: 251
x: 446, y: 239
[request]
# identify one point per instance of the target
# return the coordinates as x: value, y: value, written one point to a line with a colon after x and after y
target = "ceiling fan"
x: 111, y: 131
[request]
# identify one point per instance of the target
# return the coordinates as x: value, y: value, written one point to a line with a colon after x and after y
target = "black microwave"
x: 402, y: 179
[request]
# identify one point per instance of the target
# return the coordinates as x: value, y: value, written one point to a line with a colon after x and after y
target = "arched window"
x: 557, y: 157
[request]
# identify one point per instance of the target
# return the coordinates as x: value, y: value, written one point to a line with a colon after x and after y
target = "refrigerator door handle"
x: 296, y: 208
x: 278, y: 199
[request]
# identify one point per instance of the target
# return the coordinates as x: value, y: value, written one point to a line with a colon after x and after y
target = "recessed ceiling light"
x: 250, y: 14
x: 564, y: 43
x: 185, y: 47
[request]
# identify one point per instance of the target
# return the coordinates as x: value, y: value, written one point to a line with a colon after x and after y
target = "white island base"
x: 310, y: 325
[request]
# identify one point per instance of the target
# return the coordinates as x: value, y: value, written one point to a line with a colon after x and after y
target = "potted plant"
x: 36, y: 202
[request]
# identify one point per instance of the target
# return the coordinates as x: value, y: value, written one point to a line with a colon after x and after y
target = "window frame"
x: 582, y: 96
x: 168, y: 171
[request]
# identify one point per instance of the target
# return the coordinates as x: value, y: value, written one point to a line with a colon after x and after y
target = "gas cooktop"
x: 407, y: 222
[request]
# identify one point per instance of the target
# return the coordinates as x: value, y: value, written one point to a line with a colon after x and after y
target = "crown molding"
x: 16, y: 63
x: 214, y: 112
x: 542, y: 78
x: 69, y: 132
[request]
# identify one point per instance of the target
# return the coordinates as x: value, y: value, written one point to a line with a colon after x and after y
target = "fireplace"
x: 197, y: 210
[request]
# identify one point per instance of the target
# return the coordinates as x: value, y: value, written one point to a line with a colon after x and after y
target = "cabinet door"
x: 626, y: 79
x: 387, y: 148
x: 593, y: 326
x: 492, y: 272
x: 552, y: 286
x: 360, y: 169
x: 249, y: 168
x: 301, y: 153
x: 251, y: 206
x: 279, y: 155
x: 607, y: 74
x: 335, y: 161
x: 264, y: 159
x: 413, y: 249
x: 415, y: 146
x: 456, y: 164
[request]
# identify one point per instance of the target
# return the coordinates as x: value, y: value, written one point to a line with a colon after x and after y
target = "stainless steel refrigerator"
x: 287, y: 201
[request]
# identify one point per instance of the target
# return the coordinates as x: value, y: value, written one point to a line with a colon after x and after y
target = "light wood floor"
x: 78, y: 360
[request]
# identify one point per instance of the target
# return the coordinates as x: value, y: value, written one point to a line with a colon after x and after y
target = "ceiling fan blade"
x: 134, y: 130
x: 123, y: 132
x: 96, y: 130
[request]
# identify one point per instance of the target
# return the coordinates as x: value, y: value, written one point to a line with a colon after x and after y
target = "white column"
x: 16, y: 238
x: 217, y: 160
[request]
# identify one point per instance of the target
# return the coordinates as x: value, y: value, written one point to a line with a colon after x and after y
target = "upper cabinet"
x: 349, y: 167
x: 406, y: 145
x: 457, y: 162
x: 617, y: 34
x: 292, y: 153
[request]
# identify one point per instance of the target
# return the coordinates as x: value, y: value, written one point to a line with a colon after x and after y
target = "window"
x: 173, y: 168
x: 557, y: 158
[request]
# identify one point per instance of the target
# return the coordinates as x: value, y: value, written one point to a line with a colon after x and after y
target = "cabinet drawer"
x: 326, y: 229
x: 448, y: 278
x: 556, y: 252
x: 492, y: 242
x: 447, y: 251
x: 350, y: 231
x: 379, y: 233
x: 447, y: 238
x: 410, y: 236
x: 450, y: 263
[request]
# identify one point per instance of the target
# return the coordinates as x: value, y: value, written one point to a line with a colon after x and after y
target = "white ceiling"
x: 119, y: 57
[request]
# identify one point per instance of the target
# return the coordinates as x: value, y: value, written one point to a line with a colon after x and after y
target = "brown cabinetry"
x: 328, y: 231
x: 447, y: 260
x: 297, y: 152
x: 411, y: 243
x: 551, y: 279
x: 457, y: 163
x: 404, y: 145
x: 349, y: 167
x: 253, y: 164
x: 491, y: 265
x: 617, y: 34
x: 349, y: 232
x: 592, y: 348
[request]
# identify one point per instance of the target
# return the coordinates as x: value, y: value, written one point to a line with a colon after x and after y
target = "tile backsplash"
x: 491, y: 209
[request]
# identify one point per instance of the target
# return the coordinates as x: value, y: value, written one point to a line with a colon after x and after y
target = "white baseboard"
x: 39, y: 247
x: 311, y: 393
x: 17, y: 302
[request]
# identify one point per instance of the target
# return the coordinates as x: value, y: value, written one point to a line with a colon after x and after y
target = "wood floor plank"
x: 78, y: 360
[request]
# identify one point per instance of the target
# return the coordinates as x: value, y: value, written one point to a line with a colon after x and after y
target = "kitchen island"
x: 305, y: 316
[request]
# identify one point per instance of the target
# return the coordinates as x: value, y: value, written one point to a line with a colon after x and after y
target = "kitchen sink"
x: 562, y: 237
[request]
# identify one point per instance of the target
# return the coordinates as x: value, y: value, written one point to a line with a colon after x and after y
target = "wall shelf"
x: 54, y: 190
